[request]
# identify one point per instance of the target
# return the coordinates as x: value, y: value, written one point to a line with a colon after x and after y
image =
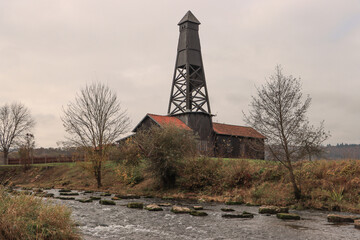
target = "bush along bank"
x: 325, y: 185
x: 27, y: 217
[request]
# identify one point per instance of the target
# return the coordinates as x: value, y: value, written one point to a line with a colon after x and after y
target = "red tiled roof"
x: 233, y: 130
x: 166, y: 120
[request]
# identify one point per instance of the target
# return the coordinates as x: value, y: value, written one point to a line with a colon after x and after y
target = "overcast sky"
x: 49, y: 50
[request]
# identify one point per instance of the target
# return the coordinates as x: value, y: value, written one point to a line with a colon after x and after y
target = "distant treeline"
x: 343, y: 151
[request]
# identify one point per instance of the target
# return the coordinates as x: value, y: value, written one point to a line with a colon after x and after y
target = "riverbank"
x: 326, y: 185
x: 120, y: 220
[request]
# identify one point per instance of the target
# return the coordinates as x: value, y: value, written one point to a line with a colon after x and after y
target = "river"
x: 119, y: 222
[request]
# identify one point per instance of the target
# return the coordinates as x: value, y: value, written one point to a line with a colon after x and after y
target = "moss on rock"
x: 198, y: 213
x: 105, y: 194
x: 69, y: 193
x: 273, y: 210
x: 66, y: 198
x: 138, y: 205
x: 227, y: 210
x: 107, y: 202
x: 341, y: 218
x: 288, y: 216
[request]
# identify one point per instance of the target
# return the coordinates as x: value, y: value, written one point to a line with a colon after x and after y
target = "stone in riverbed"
x: 107, y: 202
x: 85, y: 200
x: 341, y: 218
x: 95, y: 198
x: 88, y: 191
x: 357, y: 224
x: 69, y: 193
x: 66, y: 198
x: 227, y: 210
x: 64, y: 190
x: 37, y: 190
x: 288, y: 216
x: 115, y: 198
x: 153, y: 207
x: 178, y: 209
x: 198, y: 207
x: 129, y: 196
x: 135, y: 205
x: 48, y: 195
x: 198, y: 213
x: 105, y: 194
x: 167, y: 198
x: 273, y: 209
x: 242, y: 215
x: 234, y: 202
x: 165, y: 204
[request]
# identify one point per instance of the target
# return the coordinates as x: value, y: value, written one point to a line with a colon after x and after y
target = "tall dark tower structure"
x: 188, y: 91
x: 189, y: 106
x: 189, y: 99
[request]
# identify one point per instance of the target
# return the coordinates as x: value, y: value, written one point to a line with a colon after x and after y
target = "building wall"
x: 238, y: 147
x: 201, y: 123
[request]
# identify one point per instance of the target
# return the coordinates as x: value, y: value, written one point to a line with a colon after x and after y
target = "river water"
x: 119, y: 222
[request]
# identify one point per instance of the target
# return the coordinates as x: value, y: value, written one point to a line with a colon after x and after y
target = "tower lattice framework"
x: 188, y: 91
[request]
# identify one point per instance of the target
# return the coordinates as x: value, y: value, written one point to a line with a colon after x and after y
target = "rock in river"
x: 341, y: 218
x: 153, y: 207
x: 198, y: 207
x: 135, y: 205
x: 198, y: 213
x: 69, y: 193
x: 107, y: 202
x: 84, y: 200
x: 227, y: 210
x: 129, y: 196
x: 242, y: 215
x: 273, y: 209
x: 178, y: 209
x: 105, y: 194
x: 95, y: 198
x: 288, y: 216
x: 357, y: 224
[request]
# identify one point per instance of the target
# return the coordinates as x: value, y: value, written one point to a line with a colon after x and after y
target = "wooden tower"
x: 189, y: 99
x: 188, y: 91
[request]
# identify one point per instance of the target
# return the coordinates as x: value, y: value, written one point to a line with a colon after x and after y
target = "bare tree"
x: 15, y: 120
x: 26, y: 150
x: 279, y: 112
x: 94, y: 121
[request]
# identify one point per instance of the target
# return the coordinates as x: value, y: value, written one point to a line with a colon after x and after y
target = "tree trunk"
x: 6, y: 156
x: 297, y: 191
x: 98, y: 175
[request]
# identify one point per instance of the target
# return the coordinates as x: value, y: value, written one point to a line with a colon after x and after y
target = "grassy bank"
x: 326, y: 185
x: 27, y: 217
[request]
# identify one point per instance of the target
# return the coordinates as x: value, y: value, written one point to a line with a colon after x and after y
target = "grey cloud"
x: 50, y: 49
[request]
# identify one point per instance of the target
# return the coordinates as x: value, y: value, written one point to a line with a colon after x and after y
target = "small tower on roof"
x: 188, y: 90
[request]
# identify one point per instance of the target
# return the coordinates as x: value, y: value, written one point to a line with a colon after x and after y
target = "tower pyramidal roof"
x: 189, y: 17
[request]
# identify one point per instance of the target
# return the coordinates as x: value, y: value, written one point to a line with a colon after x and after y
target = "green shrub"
x: 27, y: 217
x: 238, y: 174
x: 200, y: 172
x: 163, y: 149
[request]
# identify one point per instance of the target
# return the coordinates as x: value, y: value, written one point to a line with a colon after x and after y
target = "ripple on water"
x: 113, y: 231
